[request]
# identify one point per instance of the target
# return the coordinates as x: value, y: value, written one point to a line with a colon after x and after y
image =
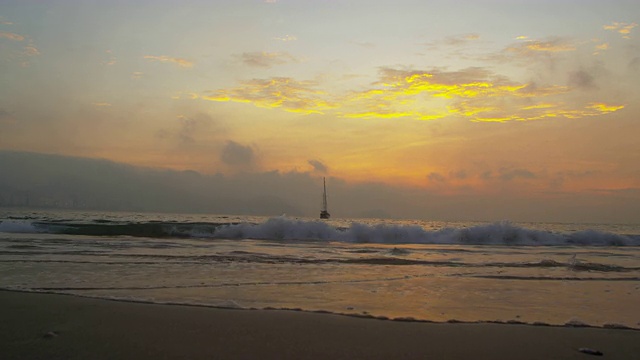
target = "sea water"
x: 555, y: 274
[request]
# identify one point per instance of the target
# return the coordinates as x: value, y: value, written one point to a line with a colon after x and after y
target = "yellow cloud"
x: 621, y: 28
x: 11, y: 36
x: 472, y: 82
x: 424, y: 95
x: 469, y: 110
x: 163, y: 58
x: 473, y: 93
x: 539, y: 113
x: 600, y: 47
x: 277, y: 92
x: 604, y: 108
x: 551, y: 46
x: 540, y: 106
x: 381, y: 115
x: 101, y: 104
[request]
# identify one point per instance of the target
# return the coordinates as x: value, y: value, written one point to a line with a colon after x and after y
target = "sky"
x: 486, y: 110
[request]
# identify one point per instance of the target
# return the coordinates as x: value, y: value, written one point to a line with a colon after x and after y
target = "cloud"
x: 117, y: 186
x: 511, y: 174
x: 436, y: 177
x: 190, y: 126
x: 461, y: 39
x: 318, y: 166
x: 364, y: 44
x: 459, y: 175
x: 11, y: 36
x: 286, y: 38
x: 30, y: 51
x: 276, y: 92
x: 529, y: 52
x: 187, y: 129
x: 600, y: 47
x: 163, y: 58
x: 235, y: 154
x: 602, y: 108
x: 582, y: 79
x: 266, y: 59
x: 5, y: 116
x: 621, y: 28
x: 136, y: 75
x: 408, y: 93
x: 529, y: 48
x: 455, y: 41
x: 101, y: 104
x: 476, y: 93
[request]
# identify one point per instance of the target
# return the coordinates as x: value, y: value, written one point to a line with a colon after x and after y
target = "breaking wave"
x: 502, y: 233
x: 283, y: 228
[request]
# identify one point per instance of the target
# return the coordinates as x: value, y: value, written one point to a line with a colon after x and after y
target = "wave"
x: 283, y: 228
x: 152, y: 259
x: 501, y: 233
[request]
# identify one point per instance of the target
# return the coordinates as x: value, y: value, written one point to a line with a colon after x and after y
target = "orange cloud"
x: 31, y: 51
x: 163, y: 58
x: 11, y: 36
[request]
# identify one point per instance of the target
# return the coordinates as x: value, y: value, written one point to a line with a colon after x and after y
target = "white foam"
x: 501, y: 233
x: 17, y: 226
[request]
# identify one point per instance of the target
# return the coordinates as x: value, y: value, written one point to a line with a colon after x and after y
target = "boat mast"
x: 324, y: 194
x: 324, y: 214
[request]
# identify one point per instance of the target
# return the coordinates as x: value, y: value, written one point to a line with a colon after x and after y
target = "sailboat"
x: 324, y: 214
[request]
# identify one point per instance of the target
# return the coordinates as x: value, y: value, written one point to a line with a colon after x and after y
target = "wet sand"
x: 46, y: 326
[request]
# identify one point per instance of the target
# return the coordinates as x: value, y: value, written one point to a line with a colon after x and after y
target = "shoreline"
x: 326, y: 312
x: 58, y: 326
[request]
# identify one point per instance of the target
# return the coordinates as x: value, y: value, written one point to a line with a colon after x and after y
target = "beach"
x: 49, y: 326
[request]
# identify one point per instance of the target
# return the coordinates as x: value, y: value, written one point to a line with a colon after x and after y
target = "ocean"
x: 408, y: 270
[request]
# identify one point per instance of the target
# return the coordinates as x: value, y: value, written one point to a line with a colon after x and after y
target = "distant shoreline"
x: 54, y: 326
